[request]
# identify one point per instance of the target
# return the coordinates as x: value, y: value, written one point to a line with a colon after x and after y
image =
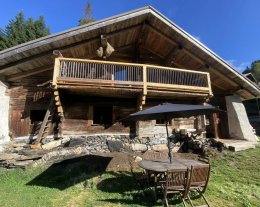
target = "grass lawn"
x: 235, y: 181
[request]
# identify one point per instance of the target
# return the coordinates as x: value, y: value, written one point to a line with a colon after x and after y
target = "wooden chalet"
x: 83, y: 80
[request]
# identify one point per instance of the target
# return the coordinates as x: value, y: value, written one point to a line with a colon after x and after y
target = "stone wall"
x: 104, y: 143
x: 4, y: 113
x: 151, y: 129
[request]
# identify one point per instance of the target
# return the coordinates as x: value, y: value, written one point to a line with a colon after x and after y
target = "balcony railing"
x: 78, y: 71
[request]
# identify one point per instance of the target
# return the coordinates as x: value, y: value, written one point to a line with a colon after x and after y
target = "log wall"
x: 79, y: 114
x: 24, y: 97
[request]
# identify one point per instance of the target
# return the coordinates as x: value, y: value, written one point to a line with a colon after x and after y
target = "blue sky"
x: 230, y: 28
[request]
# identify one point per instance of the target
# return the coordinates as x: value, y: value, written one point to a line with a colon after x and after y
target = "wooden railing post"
x: 145, y: 80
x: 56, y: 72
x: 142, y: 98
x: 209, y: 84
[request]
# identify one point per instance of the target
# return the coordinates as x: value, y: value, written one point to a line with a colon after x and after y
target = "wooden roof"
x: 142, y: 35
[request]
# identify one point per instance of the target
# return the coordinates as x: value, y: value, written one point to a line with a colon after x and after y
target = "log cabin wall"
x: 82, y: 114
x: 26, y: 97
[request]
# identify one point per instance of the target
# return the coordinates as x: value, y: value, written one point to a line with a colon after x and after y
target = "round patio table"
x: 156, y: 170
x: 164, y: 165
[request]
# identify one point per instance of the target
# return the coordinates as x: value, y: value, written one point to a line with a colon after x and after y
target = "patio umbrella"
x: 167, y: 111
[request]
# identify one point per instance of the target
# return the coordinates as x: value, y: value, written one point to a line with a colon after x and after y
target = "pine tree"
x: 19, y: 30
x: 88, y: 15
x: 254, y: 69
x: 2, y: 40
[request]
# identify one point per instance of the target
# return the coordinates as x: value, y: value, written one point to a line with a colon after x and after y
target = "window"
x: 160, y: 121
x: 37, y: 115
x: 102, y: 115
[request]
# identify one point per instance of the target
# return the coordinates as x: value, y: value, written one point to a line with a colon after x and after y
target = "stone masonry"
x: 239, y: 126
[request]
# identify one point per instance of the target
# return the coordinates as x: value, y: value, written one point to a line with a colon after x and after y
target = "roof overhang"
x: 122, y: 30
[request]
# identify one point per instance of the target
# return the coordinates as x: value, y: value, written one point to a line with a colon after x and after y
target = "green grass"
x: 235, y: 181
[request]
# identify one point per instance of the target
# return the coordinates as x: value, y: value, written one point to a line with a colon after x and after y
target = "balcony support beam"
x: 141, y: 102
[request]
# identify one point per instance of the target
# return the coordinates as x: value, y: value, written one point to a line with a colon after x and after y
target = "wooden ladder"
x: 45, y: 124
x: 59, y: 111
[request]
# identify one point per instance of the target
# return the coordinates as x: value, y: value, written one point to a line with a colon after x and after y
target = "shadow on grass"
x: 71, y: 172
x: 132, y: 193
x: 143, y: 198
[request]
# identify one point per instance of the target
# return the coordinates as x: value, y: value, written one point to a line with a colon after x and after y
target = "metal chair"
x: 176, y: 183
x: 198, y: 181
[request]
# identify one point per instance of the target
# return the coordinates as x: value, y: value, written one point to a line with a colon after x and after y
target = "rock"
x: 138, y: 159
x: 115, y: 146
x: 8, y: 156
x: 159, y: 147
x: 183, y: 131
x: 139, y: 147
x: 52, y: 144
x: 65, y: 140
x: 175, y: 149
x: 36, y: 146
x: 20, y: 164
x: 76, y: 141
x: 60, y: 155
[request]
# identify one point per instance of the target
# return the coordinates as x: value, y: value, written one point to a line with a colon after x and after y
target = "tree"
x: 88, y: 15
x: 19, y: 30
x: 254, y: 69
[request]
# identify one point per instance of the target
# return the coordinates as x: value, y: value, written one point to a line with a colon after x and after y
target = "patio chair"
x: 176, y: 183
x: 198, y: 181
x: 204, y: 159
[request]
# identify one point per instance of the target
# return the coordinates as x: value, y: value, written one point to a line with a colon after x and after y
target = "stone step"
x: 241, y: 147
x: 238, y: 145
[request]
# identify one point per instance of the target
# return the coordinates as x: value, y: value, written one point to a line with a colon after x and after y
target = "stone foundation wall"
x: 4, y: 113
x: 100, y: 143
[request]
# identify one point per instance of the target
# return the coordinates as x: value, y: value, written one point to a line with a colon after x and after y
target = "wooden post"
x: 209, y: 85
x: 90, y: 115
x: 145, y: 80
x: 215, y: 125
x: 142, y: 98
x: 56, y: 72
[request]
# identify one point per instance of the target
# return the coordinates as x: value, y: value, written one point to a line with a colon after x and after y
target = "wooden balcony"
x: 93, y: 75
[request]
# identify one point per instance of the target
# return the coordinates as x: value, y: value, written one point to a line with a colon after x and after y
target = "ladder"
x: 45, y: 124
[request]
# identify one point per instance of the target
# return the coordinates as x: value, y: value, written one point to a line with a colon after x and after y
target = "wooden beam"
x: 140, y: 40
x: 175, y: 64
x: 215, y: 120
x: 203, y: 68
x: 4, y: 83
x: 199, y: 60
x: 223, y: 77
x: 172, y: 55
x: 141, y: 102
x: 28, y: 73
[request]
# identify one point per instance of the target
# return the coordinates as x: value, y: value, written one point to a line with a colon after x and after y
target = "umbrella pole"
x: 169, y: 143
